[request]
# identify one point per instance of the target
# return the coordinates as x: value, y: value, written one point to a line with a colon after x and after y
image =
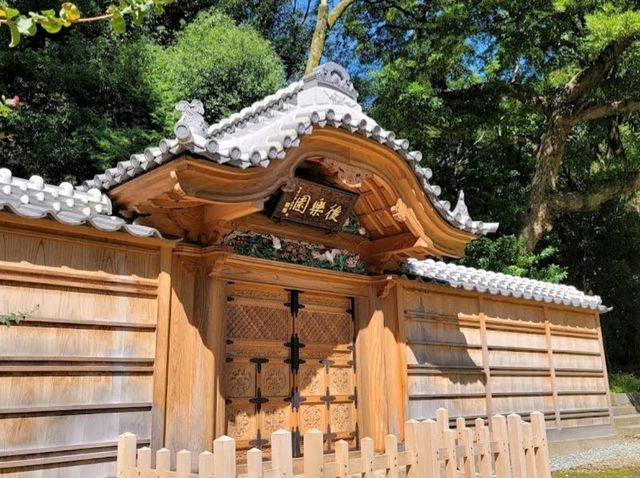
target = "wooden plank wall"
x: 80, y: 370
x: 481, y: 354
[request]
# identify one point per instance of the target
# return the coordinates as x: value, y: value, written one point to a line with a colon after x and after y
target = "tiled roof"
x: 33, y: 198
x: 266, y: 130
x: 496, y: 283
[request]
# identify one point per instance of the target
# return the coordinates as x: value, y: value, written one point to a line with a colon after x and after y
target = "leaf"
x: 26, y: 26
x: 70, y: 12
x: 52, y: 25
x: 10, y: 13
x: 15, y: 35
x: 117, y: 20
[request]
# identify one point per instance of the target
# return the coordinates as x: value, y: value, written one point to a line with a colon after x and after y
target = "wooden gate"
x: 290, y: 365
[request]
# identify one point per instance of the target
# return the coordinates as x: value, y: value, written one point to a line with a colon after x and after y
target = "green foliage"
x: 610, y: 22
x: 13, y: 318
x: 595, y: 472
x: 49, y: 20
x: 624, y: 383
x: 224, y: 65
x: 78, y: 117
x: 600, y: 252
x: 506, y: 254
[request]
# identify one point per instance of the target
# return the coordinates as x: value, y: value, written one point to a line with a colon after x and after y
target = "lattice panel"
x: 257, y: 322
x: 317, y: 327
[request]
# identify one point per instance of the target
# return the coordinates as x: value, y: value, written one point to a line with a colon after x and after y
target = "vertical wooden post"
x: 469, y: 459
x: 516, y: 446
x: 428, y: 444
x: 411, y: 444
x: 224, y: 457
x: 552, y: 367
x: 451, y: 460
x: 485, y: 357
x: 366, y: 452
x: 540, y: 443
x: 126, y: 456
x: 603, y: 359
x: 370, y: 372
x: 216, y: 317
x: 529, y: 452
x: 442, y: 418
x: 205, y: 465
x: 342, y: 459
x: 391, y: 450
x: 499, y: 431
x: 254, y: 463
x: 163, y: 459
x: 160, y: 363
x: 483, y: 442
x: 313, y: 454
x: 183, y: 464
x: 402, y: 346
x: 281, y: 453
x: 144, y: 458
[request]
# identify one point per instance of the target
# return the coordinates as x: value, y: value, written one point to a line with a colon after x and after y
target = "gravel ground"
x: 623, y: 454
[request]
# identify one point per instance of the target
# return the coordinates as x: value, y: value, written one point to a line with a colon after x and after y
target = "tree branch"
x: 337, y: 12
x: 594, y: 111
x: 597, y: 70
x: 518, y: 91
x: 596, y: 195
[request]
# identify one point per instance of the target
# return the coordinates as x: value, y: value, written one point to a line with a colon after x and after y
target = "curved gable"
x: 267, y: 132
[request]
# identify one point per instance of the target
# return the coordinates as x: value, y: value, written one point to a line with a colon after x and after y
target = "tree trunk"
x: 319, y: 37
x: 541, y: 213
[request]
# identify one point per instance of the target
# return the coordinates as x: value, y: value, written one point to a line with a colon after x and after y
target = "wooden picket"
x: 510, y: 448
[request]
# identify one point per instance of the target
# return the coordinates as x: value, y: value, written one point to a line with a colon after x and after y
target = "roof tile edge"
x: 497, y: 283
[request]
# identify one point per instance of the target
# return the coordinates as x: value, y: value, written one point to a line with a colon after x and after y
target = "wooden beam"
x: 162, y: 350
x: 394, y: 244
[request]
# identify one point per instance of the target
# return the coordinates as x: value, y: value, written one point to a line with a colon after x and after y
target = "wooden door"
x: 326, y: 378
x: 289, y: 365
x: 258, y: 381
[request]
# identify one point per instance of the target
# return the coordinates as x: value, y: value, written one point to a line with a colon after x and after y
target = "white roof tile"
x: 497, y: 283
x: 33, y: 198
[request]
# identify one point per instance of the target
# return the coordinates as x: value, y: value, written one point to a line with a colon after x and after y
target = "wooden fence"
x: 511, y: 448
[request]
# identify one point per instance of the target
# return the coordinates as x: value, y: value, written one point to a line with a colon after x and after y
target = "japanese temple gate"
x: 272, y: 270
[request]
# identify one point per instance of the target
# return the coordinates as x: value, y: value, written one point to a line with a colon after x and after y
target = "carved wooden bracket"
x: 207, y: 260
x: 403, y: 213
x: 348, y: 175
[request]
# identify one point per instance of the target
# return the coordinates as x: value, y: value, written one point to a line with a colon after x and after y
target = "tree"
x: 534, y: 78
x: 225, y: 65
x: 80, y: 116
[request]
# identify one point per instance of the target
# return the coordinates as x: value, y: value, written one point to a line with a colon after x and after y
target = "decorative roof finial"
x: 331, y: 75
x: 460, y: 211
x: 191, y: 121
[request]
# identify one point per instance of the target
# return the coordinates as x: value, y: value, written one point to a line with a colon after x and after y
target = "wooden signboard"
x: 316, y: 205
